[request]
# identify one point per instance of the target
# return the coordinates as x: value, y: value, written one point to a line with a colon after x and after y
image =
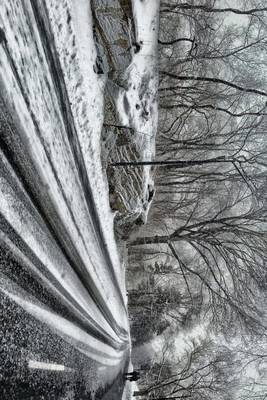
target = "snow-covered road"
x: 59, y: 261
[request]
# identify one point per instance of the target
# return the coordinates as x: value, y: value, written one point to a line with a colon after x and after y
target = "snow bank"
x: 77, y: 54
x: 137, y: 100
x: 129, y: 389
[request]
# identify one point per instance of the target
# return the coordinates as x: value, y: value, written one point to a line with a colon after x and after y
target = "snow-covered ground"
x: 137, y: 106
x: 129, y: 389
x: 77, y: 53
x: 42, y: 138
x: 52, y: 119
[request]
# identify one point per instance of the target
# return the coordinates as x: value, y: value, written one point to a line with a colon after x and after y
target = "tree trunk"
x: 163, y: 398
x: 214, y: 80
x: 186, y: 6
x: 175, y: 41
x: 171, y: 163
x: 150, y: 240
x: 140, y: 393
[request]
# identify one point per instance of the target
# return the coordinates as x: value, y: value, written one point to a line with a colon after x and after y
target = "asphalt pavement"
x: 60, y: 337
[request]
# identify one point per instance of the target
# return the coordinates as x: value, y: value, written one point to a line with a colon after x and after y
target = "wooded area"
x: 201, y: 259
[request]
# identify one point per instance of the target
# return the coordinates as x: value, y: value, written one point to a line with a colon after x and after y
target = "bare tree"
x: 227, y: 241
x: 209, y: 212
x: 200, y: 373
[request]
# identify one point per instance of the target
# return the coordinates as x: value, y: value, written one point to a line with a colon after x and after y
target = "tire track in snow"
x: 12, y: 237
x: 58, y: 77
x: 90, y: 203
x: 70, y: 128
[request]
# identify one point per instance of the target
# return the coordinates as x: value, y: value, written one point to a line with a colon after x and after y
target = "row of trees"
x: 209, y: 214
x: 215, y: 183
x: 205, y: 371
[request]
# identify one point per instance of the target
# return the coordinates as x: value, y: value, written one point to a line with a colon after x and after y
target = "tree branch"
x: 214, y: 80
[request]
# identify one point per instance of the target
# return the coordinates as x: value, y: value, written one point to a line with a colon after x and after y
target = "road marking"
x: 47, y: 366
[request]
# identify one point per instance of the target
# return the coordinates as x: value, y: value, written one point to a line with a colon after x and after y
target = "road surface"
x: 64, y: 326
